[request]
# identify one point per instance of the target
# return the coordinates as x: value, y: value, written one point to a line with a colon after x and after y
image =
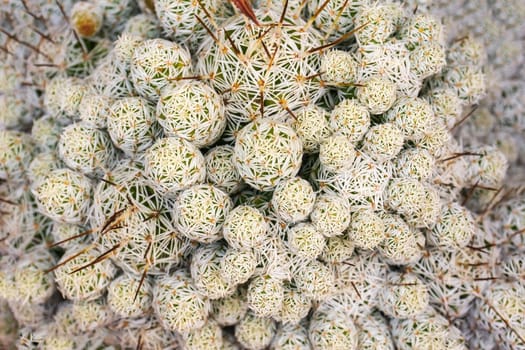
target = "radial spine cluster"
x: 262, y: 174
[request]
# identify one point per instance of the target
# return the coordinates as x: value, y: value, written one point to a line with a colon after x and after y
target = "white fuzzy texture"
x: 177, y: 303
x: 305, y: 241
x: 64, y: 196
x: 412, y: 115
x: 266, y: 152
x: 143, y: 229
x: 350, y: 118
x: 389, y: 60
x: 337, y: 249
x: 245, y: 228
x: 454, y: 228
x: 403, y: 296
x: 427, y: 331
x: 378, y: 94
x: 88, y: 283
x: 293, y: 200
x: 15, y: 155
x: 193, y: 111
x: 416, y: 163
x: 237, y: 266
x: 446, y: 104
x: 200, y: 211
x: 178, y: 18
x: 428, y: 59
x: 257, y: 63
x: 402, y: 244
x: 383, y: 142
x: 291, y: 337
x: 255, y: 332
x: 468, y: 82
x: 330, y: 215
x: 206, y: 271
x: 85, y: 149
x: 296, y: 305
x: 366, y: 230
x: 339, y: 67
x: 265, y: 296
x: 31, y: 285
x: 173, y: 164
x: 379, y: 23
x: 374, y: 333
x: 207, y: 337
x: 311, y: 124
x: 418, y: 203
x: 337, y: 17
x: 230, y: 310
x: 363, y: 183
x: 121, y: 296
x: 315, y: 279
x: 130, y: 125
x: 421, y: 29
x: 332, y: 329
x: 220, y: 169
x: 337, y: 153
x: 94, y: 109
x: 155, y: 64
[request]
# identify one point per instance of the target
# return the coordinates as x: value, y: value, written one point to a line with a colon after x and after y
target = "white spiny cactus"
x: 337, y: 153
x: 330, y: 215
x: 230, y: 310
x: 177, y: 303
x: 127, y: 297
x: 454, y: 228
x: 207, y: 274
x: 78, y: 279
x: 130, y: 125
x: 85, y: 149
x: 266, y: 152
x: 402, y: 244
x: 314, y: 279
x: 269, y: 174
x: 351, y: 119
x: 330, y: 327
x: 64, y: 196
x: 265, y: 296
x: 200, y: 211
x: 305, y: 241
x: 383, y: 142
x: 207, y: 337
x: 245, y: 228
x: 295, y: 307
x: 290, y: 337
x: 415, y: 163
x: 366, y: 229
x: 339, y: 67
x: 311, y: 123
x: 173, y: 164
x: 16, y: 152
x: 155, y: 64
x: 377, y: 94
x: 403, y: 296
x: 237, y: 266
x: 220, y: 169
x: 255, y: 332
x: 293, y: 200
x: 236, y: 62
x: 192, y: 111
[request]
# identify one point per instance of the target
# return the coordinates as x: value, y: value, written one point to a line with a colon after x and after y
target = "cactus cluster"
x: 292, y: 174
